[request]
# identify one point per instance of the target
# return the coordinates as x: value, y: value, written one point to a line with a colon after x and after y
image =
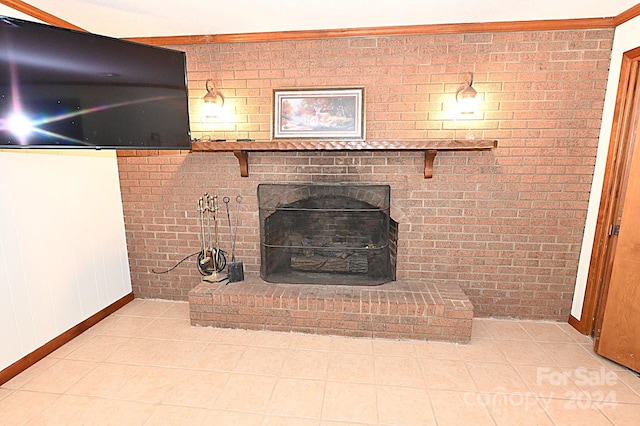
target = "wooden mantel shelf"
x: 430, y: 147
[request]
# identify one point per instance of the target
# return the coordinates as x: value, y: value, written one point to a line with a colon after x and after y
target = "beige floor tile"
x: 150, y: 384
x: 71, y: 346
x: 177, y: 329
x: 631, y: 379
x: 505, y: 330
x: 5, y: 393
x: 59, y: 377
x: 70, y: 410
x: 178, y: 354
x: 171, y: 415
x: 310, y: 342
x: 105, y: 380
x: 516, y: 409
x: 401, y: 348
x: 524, y: 353
x: 118, y: 412
x: 22, y: 406
x: 196, y: 389
x: 481, y: 350
x: 244, y: 392
x: 131, y: 306
x: 30, y: 373
x: 575, y: 334
x: 350, y: 402
x: 120, y: 325
x: 496, y: 378
x: 82, y: 410
x: 351, y: 367
x: 545, y: 331
x: 459, y: 408
x: 447, y: 374
x: 137, y: 351
x: 404, y: 406
x: 232, y: 418
x: 438, y: 350
x: 351, y: 345
x: 164, y: 353
x: 288, y: 421
x: 603, y: 385
x: 621, y: 414
x: 177, y: 310
x: 573, y: 412
x: 571, y: 355
x: 305, y: 364
x: 398, y: 371
x: 98, y: 348
x: 547, y: 382
x: 478, y: 330
x: 218, y: 357
x: 145, y: 308
x: 297, y: 398
x: 261, y: 360
x: 271, y: 339
x: 232, y: 336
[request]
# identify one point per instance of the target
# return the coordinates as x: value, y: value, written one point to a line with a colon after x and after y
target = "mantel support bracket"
x: 429, y: 156
x: 243, y: 159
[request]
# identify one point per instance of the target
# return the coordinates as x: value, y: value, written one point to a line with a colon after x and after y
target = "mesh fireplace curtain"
x: 326, y: 234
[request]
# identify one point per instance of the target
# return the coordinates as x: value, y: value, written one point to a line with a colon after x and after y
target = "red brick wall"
x: 506, y: 225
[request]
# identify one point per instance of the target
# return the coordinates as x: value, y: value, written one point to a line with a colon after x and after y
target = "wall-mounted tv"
x: 65, y: 88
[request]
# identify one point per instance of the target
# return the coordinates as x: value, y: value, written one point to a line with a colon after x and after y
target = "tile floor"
x: 144, y: 365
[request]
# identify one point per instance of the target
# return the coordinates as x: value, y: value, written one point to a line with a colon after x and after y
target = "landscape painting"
x: 318, y: 113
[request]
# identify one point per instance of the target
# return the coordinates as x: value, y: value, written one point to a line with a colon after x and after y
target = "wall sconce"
x: 213, y: 101
x: 466, y: 97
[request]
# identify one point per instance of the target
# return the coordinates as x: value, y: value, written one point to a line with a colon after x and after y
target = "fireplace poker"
x: 235, y: 230
x: 203, y: 260
x: 226, y: 201
x: 236, y: 269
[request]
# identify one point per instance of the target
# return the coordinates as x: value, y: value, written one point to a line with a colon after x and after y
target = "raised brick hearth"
x: 395, y: 310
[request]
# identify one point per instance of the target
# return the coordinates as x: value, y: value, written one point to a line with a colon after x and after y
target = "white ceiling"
x: 148, y: 18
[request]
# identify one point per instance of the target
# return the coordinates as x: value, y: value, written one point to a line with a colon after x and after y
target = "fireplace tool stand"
x: 211, y: 260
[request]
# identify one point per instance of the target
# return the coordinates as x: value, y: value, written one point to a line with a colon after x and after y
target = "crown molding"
x: 482, y: 27
x: 627, y: 15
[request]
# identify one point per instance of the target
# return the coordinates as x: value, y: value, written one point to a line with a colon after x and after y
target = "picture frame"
x: 318, y: 113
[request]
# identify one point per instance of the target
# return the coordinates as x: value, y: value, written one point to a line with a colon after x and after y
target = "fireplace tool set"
x: 212, y: 259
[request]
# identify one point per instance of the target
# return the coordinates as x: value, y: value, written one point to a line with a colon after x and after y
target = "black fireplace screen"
x: 326, y: 234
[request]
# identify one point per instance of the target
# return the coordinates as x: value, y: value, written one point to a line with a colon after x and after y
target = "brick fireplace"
x: 328, y: 257
x: 505, y: 225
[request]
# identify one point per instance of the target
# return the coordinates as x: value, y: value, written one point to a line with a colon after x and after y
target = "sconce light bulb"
x: 213, y: 101
x: 466, y: 97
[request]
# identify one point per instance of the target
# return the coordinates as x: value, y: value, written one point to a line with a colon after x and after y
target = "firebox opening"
x: 327, y: 234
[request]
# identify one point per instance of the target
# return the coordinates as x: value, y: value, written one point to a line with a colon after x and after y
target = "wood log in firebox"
x: 353, y: 264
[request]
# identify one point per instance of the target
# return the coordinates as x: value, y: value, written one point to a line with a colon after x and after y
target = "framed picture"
x: 325, y: 113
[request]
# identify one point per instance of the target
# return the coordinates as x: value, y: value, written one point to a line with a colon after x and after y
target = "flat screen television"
x: 65, y: 88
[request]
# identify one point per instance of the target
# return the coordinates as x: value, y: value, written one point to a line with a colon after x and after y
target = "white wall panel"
x: 63, y: 253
